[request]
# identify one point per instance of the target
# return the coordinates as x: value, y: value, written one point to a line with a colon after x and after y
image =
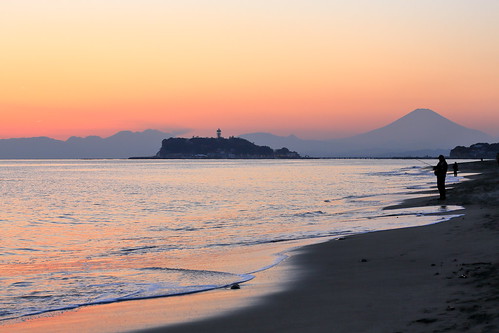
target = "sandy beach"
x: 437, y: 278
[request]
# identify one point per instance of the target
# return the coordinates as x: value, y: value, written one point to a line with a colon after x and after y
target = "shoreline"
x: 401, y: 280
x: 436, y: 278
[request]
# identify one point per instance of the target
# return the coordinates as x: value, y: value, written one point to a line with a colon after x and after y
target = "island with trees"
x: 219, y: 148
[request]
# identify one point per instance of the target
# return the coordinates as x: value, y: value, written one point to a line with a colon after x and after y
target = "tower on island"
x: 219, y: 133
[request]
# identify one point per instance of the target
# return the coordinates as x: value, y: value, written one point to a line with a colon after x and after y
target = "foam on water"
x: 36, y: 294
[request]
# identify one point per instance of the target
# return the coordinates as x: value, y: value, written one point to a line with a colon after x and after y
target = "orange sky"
x: 316, y: 69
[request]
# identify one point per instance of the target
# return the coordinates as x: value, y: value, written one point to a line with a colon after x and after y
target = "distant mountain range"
x: 422, y: 132
x: 121, y: 145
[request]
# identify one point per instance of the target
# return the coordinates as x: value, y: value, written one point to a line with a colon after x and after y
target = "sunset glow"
x: 320, y: 69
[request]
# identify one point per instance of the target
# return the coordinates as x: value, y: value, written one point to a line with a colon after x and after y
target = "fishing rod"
x: 423, y: 162
x: 428, y: 164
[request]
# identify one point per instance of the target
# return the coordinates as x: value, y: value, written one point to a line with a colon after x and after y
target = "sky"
x: 317, y: 69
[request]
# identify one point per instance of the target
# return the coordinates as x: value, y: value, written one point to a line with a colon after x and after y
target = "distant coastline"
x: 418, y: 134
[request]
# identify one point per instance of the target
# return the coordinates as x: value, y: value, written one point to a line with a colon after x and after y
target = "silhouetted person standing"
x: 441, y: 171
x: 455, y: 168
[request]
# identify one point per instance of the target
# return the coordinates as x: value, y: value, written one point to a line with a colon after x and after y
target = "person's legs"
x: 441, y: 187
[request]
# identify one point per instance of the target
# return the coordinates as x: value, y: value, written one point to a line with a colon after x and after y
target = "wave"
x: 84, y: 288
x: 309, y: 214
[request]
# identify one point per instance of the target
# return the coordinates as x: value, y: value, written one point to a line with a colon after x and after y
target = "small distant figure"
x: 440, y: 171
x: 455, y: 167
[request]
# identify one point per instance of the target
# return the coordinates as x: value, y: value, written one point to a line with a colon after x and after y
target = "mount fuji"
x: 421, y: 132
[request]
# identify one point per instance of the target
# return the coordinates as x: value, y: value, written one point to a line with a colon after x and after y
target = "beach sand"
x: 437, y: 278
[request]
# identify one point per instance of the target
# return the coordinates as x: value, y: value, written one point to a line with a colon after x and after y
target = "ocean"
x: 84, y: 232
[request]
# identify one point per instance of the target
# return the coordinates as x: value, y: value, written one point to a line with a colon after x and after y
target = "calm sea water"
x: 80, y: 232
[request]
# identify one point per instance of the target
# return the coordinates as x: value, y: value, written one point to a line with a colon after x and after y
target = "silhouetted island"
x: 232, y: 147
x: 219, y: 147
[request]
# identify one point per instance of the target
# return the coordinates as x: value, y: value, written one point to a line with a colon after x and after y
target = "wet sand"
x: 437, y: 278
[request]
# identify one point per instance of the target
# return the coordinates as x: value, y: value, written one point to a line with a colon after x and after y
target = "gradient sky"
x: 313, y: 68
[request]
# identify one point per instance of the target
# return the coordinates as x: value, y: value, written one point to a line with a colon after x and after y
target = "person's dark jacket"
x: 441, y: 169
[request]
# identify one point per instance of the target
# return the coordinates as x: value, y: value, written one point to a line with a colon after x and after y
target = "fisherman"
x: 455, y: 167
x: 440, y: 171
